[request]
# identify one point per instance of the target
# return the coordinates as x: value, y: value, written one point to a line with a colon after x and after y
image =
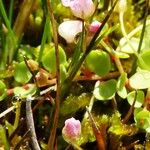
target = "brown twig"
x: 30, y: 124
x: 97, y: 132
x: 130, y: 111
x: 52, y: 137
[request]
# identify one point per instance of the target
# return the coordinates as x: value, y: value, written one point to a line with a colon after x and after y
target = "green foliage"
x: 98, y: 62
x: 142, y: 119
x: 23, y: 93
x: 105, y: 90
x: 121, y: 89
x: 49, y: 58
x: 145, y: 58
x: 140, y: 80
x: 73, y: 103
x: 22, y: 73
x: 139, y: 98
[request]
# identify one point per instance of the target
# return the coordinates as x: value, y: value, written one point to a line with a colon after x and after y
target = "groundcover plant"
x: 74, y: 74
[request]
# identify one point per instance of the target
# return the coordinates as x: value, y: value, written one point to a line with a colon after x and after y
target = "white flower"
x: 69, y: 29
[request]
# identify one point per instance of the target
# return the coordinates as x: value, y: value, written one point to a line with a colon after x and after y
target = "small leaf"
x: 21, y: 73
x: 98, y: 62
x: 140, y: 80
x: 49, y: 58
x: 126, y: 48
x: 122, y: 92
x: 144, y: 61
x: 2, y: 90
x: 23, y: 93
x: 121, y: 81
x: 142, y: 119
x: 139, y: 98
x: 105, y: 90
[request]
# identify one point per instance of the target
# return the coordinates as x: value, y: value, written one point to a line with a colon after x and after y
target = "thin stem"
x: 52, y: 137
x: 121, y: 16
x: 17, y: 117
x: 22, y: 17
x: 44, y: 38
x: 30, y: 124
x: 7, y: 111
x: 130, y: 111
x: 97, y: 132
x: 7, y: 22
x: 11, y: 11
x: 90, y: 107
x: 144, y: 26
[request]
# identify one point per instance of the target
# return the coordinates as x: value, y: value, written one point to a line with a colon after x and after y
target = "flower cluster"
x: 82, y: 9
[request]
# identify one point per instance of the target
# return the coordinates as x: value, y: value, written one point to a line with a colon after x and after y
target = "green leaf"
x: 126, y: 48
x: 140, y: 80
x: 21, y: 73
x: 144, y: 61
x: 23, y: 93
x: 139, y: 98
x: 49, y: 58
x: 105, y: 90
x: 98, y: 62
x: 121, y: 81
x: 142, y: 119
x: 122, y: 92
x: 3, y: 91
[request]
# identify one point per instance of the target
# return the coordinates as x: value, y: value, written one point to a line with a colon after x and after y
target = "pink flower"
x: 80, y: 8
x: 94, y: 26
x: 69, y: 29
x: 72, y: 130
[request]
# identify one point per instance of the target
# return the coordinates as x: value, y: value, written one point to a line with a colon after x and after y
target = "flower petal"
x: 82, y: 8
x: 69, y: 29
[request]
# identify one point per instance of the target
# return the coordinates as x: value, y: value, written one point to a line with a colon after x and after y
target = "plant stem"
x: 7, y: 111
x: 90, y: 107
x: 44, y: 38
x: 22, y: 17
x: 52, y: 137
x: 11, y: 11
x: 30, y: 124
x: 130, y: 111
x: 17, y: 117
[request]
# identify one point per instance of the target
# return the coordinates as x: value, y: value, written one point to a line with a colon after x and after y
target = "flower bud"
x: 69, y: 29
x: 94, y: 26
x: 72, y: 130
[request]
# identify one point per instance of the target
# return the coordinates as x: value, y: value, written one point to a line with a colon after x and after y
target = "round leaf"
x: 105, y: 90
x: 2, y: 90
x: 49, y: 58
x: 22, y: 92
x: 144, y: 61
x: 21, y: 73
x: 121, y: 81
x: 139, y: 98
x: 98, y: 62
x: 140, y: 80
